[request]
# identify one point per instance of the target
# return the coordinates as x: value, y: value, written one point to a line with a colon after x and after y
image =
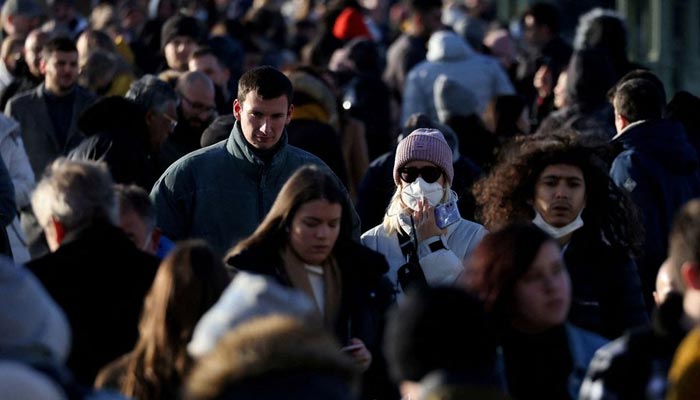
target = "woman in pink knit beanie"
x: 423, y: 237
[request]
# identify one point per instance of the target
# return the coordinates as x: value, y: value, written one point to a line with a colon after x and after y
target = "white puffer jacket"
x: 15, y: 157
x: 441, y: 267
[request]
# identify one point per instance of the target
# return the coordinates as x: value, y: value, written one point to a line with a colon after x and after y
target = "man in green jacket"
x: 221, y: 193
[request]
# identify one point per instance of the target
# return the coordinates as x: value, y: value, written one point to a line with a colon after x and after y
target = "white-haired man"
x: 94, y: 272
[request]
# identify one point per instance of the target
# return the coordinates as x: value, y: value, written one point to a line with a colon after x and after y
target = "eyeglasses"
x: 429, y: 174
x: 197, y: 106
x: 172, y: 121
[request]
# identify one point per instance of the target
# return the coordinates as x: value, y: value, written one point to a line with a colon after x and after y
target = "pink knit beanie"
x: 424, y: 145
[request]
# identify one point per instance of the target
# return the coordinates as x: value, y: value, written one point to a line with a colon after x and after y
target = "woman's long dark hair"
x: 189, y: 281
x: 307, y: 184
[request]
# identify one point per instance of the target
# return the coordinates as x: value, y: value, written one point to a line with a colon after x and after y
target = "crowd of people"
x: 341, y: 200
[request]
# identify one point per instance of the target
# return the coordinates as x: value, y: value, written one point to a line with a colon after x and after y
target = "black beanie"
x: 180, y: 25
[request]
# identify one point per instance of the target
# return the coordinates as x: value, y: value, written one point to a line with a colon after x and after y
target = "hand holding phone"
x: 358, y: 351
x: 447, y: 214
x: 351, y: 348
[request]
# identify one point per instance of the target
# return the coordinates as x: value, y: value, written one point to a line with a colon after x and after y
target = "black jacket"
x: 366, y: 296
x: 636, y: 365
x: 100, y: 279
x: 606, y: 290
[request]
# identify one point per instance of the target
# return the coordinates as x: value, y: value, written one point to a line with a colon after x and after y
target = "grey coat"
x: 30, y: 110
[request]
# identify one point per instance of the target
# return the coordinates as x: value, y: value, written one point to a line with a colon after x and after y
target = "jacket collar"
x: 627, y: 128
x: 239, y: 148
x: 8, y: 126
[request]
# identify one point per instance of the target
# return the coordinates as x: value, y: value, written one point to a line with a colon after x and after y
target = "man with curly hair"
x: 563, y: 187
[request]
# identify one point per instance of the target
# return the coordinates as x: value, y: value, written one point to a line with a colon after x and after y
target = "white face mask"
x: 555, y: 232
x: 411, y: 194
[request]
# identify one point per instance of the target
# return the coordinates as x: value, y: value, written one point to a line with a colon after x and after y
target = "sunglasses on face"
x: 429, y: 174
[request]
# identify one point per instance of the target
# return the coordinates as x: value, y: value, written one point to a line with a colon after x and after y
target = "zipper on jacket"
x: 261, y: 185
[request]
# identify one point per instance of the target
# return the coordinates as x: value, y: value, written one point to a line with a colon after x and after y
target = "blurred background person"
x: 434, y: 351
x: 587, y: 111
x: 137, y: 218
x: 20, y: 172
x: 448, y: 54
x: 32, y: 76
x: 19, y: 17
x: 544, y: 56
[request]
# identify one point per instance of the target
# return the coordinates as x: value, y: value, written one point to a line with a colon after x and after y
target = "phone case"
x: 447, y: 214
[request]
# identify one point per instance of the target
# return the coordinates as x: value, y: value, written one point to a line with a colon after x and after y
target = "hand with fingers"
x: 358, y: 351
x: 424, y: 221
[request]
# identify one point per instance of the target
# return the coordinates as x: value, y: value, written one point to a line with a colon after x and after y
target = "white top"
x: 315, y: 274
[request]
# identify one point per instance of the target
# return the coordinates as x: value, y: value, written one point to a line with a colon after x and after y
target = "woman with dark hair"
x: 507, y: 116
x: 188, y: 282
x: 563, y: 187
x: 520, y: 275
x: 589, y: 76
x: 305, y: 242
x: 606, y: 30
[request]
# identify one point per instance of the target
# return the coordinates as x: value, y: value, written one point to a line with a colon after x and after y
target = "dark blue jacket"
x: 659, y: 168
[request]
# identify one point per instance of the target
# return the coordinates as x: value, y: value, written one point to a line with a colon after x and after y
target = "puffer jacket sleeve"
x: 441, y: 267
x: 445, y: 266
x: 15, y: 157
x: 173, y: 206
x: 414, y: 98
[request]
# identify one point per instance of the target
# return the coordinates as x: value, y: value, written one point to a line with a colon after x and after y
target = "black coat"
x: 605, y: 287
x: 366, y: 294
x: 366, y: 297
x: 116, y: 134
x: 100, y: 279
x: 629, y: 367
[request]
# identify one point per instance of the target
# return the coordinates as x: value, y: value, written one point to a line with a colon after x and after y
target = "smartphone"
x: 447, y: 214
x: 351, y: 348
